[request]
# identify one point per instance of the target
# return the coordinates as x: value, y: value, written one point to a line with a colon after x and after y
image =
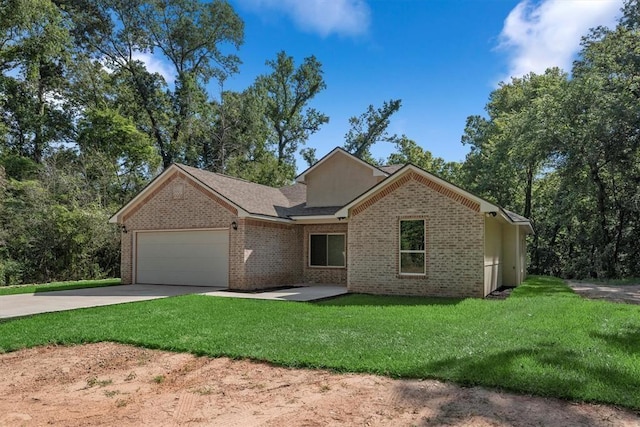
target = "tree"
x: 235, y: 125
x: 567, y: 154
x: 34, y: 54
x: 600, y: 154
x: 370, y: 128
x: 309, y: 156
x: 513, y: 145
x: 190, y: 35
x: 288, y: 91
x: 117, y: 158
x: 410, y: 152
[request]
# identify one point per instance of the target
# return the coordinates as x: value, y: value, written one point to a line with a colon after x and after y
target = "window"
x: 412, y: 247
x: 326, y: 250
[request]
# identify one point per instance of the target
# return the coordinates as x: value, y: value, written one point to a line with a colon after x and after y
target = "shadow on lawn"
x: 450, y: 405
x: 559, y: 372
x: 627, y: 340
x: 385, y: 301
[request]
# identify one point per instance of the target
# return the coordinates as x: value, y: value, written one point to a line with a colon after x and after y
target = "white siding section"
x: 192, y: 258
x: 492, y: 255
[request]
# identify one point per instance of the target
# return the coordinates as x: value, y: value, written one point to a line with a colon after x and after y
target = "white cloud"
x: 547, y: 33
x: 342, y: 17
x: 155, y: 65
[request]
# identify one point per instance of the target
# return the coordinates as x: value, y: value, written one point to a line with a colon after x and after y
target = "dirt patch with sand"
x: 112, y: 384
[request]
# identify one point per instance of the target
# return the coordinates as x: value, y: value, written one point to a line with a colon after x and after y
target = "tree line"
x: 85, y: 125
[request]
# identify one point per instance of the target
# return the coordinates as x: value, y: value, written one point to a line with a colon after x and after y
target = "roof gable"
x: 159, y: 182
x: 409, y: 172
x: 413, y: 172
x: 283, y: 204
x: 341, y: 152
x: 244, y: 197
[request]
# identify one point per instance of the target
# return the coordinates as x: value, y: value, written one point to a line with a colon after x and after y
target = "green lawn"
x: 543, y: 340
x: 57, y: 286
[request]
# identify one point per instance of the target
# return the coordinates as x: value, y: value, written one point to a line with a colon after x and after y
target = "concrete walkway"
x: 299, y: 293
x: 45, y: 302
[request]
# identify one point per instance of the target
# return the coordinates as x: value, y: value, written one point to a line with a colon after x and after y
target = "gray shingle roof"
x: 282, y: 202
x: 515, y: 217
x: 390, y: 169
x: 260, y: 199
x: 254, y: 198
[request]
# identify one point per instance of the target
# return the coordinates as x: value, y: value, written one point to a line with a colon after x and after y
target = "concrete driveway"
x: 45, y: 302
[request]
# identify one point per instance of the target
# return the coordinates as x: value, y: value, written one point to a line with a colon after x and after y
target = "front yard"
x: 543, y: 339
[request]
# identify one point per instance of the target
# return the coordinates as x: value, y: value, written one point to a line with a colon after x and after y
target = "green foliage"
x: 262, y: 166
x: 370, y: 128
x: 541, y: 344
x: 191, y: 35
x: 34, y: 55
x: 234, y: 131
x: 51, y: 231
x: 19, y: 167
x: 118, y: 158
x: 410, y: 152
x: 566, y: 153
x: 287, y: 91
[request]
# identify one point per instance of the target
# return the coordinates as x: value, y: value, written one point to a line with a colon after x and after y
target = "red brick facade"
x: 454, y: 249
x: 266, y: 254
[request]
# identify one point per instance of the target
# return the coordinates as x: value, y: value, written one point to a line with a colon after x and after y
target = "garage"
x: 191, y: 258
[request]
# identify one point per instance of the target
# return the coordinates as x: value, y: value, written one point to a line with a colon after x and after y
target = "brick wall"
x: 175, y: 204
x: 271, y: 254
x: 323, y: 275
x: 261, y: 254
x: 455, y: 242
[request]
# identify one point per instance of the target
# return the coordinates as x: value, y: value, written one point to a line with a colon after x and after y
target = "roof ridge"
x: 227, y: 176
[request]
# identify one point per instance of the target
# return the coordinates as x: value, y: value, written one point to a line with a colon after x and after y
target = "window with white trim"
x: 412, y: 247
x: 327, y: 250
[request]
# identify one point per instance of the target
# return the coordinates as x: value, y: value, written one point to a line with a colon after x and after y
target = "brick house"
x: 388, y: 230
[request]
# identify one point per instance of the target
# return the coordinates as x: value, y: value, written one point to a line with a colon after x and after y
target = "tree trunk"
x: 528, y: 191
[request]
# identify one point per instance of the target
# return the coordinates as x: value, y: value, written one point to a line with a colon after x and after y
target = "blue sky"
x: 442, y: 58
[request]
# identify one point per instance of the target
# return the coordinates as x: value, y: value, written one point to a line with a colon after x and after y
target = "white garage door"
x: 196, y: 258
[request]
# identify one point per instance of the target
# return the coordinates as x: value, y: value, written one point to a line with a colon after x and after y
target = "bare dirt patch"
x: 112, y: 384
x: 629, y: 294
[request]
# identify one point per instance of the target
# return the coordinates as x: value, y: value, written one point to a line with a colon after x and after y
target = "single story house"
x: 382, y: 230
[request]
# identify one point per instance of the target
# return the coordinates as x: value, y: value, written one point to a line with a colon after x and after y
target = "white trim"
x: 518, y: 260
x: 375, y: 170
x: 327, y: 266
x: 411, y: 251
x: 156, y: 230
x: 264, y: 217
x: 318, y: 219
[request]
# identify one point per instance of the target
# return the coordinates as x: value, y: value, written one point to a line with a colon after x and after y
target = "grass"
x: 57, y: 286
x: 543, y: 340
x: 543, y: 286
